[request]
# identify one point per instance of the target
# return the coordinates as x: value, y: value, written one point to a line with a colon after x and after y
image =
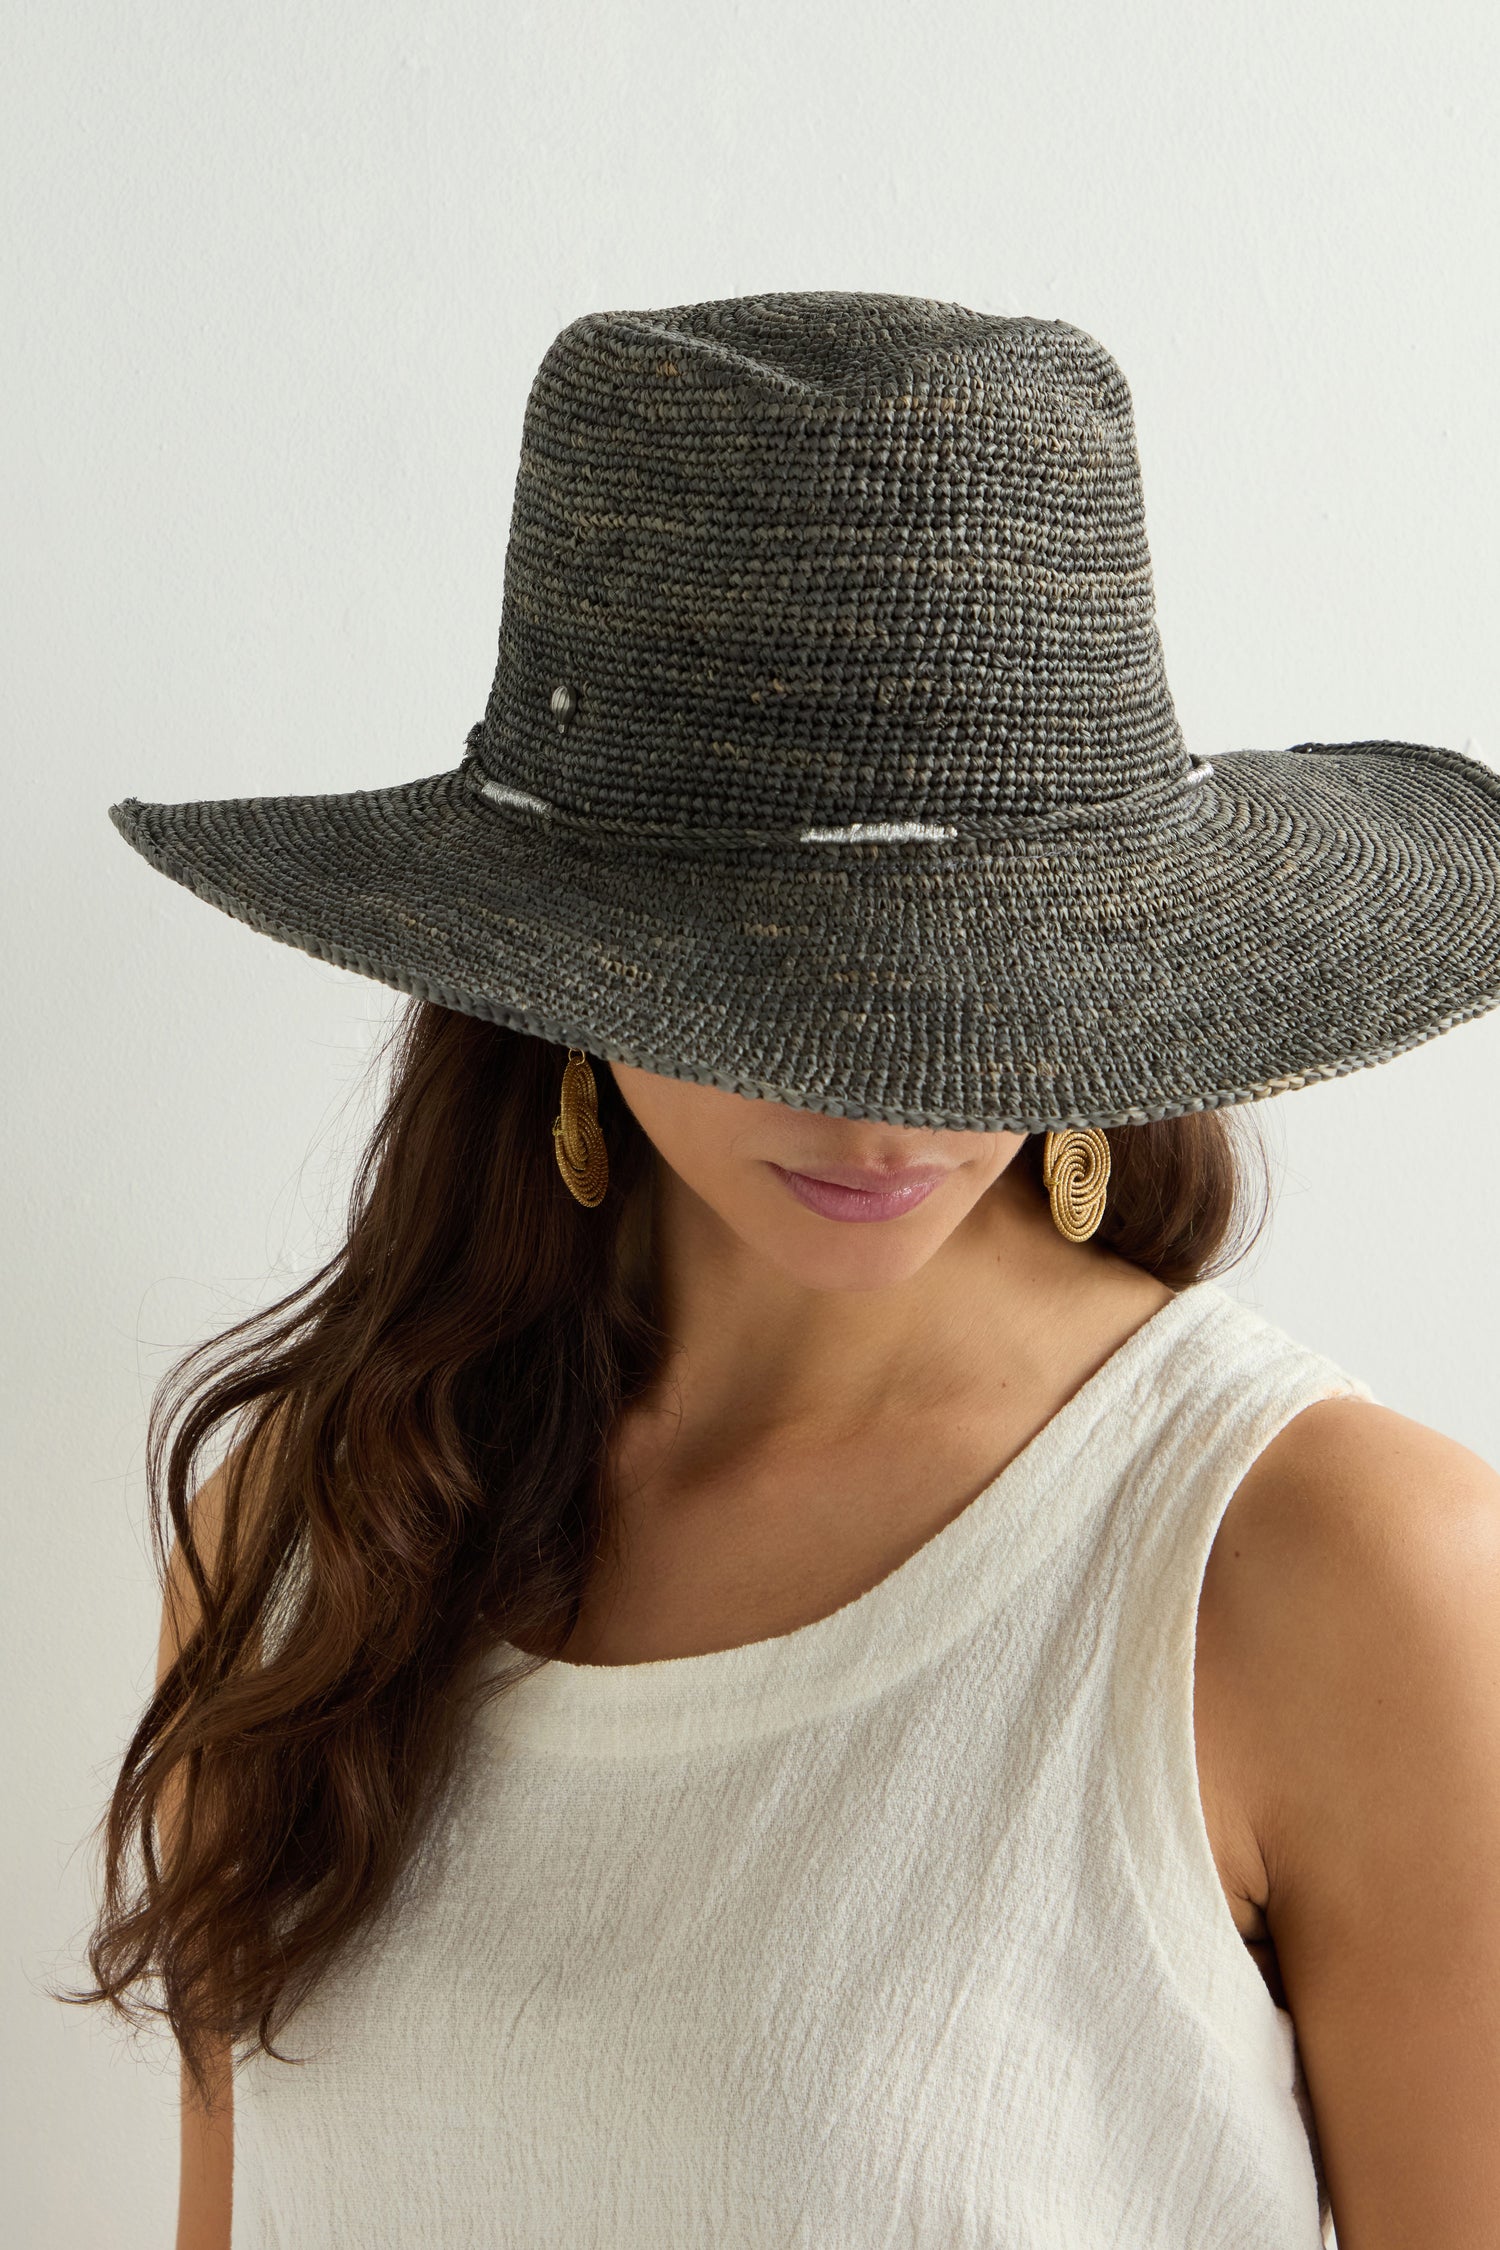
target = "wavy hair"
x: 424, y: 1426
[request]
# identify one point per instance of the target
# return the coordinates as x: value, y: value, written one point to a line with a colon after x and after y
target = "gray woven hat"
x: 830, y: 758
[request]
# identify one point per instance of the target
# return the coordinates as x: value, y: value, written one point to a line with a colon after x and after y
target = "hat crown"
x: 827, y: 557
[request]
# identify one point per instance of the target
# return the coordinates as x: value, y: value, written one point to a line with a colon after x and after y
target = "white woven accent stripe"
x: 878, y: 832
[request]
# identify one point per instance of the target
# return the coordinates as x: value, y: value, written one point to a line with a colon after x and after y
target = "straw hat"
x: 830, y: 758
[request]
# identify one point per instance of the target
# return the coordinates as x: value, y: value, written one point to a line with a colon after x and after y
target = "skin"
x: 206, y: 2177
x: 835, y: 1393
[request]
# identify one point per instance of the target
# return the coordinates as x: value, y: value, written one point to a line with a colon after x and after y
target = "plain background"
x: 279, y: 279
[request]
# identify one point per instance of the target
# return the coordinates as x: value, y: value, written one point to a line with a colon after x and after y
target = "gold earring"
x: 1075, y: 1173
x: 577, y: 1135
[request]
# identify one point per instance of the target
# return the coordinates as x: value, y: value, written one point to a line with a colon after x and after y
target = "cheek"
x: 693, y: 1128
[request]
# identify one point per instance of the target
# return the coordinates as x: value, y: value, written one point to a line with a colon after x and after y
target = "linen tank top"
x: 903, y: 1928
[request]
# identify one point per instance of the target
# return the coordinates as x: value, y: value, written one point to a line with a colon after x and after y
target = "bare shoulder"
x: 1351, y: 1626
x: 1346, y: 1469
x: 1353, y: 1580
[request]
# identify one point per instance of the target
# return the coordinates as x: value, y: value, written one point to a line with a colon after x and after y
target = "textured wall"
x: 278, y: 279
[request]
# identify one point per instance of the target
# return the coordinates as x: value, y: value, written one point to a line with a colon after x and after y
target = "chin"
x: 859, y: 1262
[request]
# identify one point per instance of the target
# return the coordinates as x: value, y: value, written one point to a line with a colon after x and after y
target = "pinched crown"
x: 827, y: 557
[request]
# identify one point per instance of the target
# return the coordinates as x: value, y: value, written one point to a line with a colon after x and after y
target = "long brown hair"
x: 425, y: 1424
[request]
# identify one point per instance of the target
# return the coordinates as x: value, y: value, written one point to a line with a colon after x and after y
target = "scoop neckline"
x: 941, y: 1591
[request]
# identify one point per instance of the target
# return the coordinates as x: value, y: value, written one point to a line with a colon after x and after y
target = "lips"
x: 835, y: 1198
x: 870, y: 1183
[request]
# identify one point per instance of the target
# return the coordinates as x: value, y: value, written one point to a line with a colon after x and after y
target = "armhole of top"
x: 1155, y: 1764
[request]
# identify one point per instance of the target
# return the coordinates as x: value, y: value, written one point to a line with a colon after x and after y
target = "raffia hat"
x: 830, y: 758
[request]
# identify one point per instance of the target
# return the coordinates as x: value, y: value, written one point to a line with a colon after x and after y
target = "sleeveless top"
x: 903, y: 1928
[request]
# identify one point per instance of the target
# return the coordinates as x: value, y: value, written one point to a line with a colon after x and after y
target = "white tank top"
x: 900, y: 1929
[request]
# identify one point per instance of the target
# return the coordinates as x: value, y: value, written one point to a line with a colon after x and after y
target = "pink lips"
x: 842, y: 1199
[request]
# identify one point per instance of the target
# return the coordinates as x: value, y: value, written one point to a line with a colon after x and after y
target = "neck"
x: 756, y: 1355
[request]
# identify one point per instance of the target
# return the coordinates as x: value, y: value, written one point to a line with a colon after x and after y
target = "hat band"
x: 1161, y: 794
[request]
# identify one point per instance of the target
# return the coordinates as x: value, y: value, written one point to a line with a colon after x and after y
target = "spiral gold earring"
x: 1075, y: 1173
x: 577, y: 1135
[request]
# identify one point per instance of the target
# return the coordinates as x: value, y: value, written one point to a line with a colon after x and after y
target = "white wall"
x: 280, y: 279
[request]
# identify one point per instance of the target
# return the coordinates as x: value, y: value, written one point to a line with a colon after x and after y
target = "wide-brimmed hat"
x: 830, y: 758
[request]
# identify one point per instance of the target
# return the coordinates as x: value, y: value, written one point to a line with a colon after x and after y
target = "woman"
x: 773, y: 1661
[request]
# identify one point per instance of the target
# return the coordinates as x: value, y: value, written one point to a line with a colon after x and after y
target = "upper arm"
x: 207, y: 2136
x: 1357, y: 1586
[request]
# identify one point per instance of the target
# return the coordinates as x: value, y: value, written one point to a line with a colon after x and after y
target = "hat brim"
x: 1296, y: 915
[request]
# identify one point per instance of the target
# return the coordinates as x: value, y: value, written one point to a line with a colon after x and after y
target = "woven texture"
x: 829, y: 757
x: 824, y: 559
x: 900, y: 1930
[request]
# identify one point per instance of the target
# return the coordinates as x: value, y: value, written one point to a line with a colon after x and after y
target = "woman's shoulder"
x: 1349, y: 1630
x: 1354, y: 1494
x: 1348, y: 1624
x: 1359, y: 1542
